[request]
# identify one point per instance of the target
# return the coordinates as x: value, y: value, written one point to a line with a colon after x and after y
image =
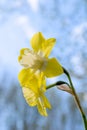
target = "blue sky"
x: 64, y: 20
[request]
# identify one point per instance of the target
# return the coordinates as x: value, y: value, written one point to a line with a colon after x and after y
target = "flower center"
x: 35, y: 61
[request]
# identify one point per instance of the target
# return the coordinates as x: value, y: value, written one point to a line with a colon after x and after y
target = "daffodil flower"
x: 37, y: 58
x: 37, y: 66
x: 34, y: 87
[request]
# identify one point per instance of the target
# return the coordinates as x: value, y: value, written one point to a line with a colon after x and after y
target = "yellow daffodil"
x: 37, y: 66
x: 34, y: 87
x: 37, y: 59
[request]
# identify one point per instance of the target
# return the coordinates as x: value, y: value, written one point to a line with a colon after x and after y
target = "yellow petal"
x: 42, y: 81
x: 53, y: 68
x: 41, y: 108
x: 48, y: 45
x: 37, y: 41
x: 28, y: 79
x: 23, y: 51
x: 46, y: 102
x: 32, y: 81
x: 19, y: 58
x: 34, y: 84
x: 24, y: 77
x: 42, y: 104
x: 29, y: 96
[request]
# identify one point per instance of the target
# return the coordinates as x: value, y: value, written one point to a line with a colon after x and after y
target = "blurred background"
x: 66, y: 20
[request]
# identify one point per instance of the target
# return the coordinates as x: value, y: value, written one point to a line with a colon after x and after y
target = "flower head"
x: 37, y: 66
x: 37, y: 59
x: 34, y: 87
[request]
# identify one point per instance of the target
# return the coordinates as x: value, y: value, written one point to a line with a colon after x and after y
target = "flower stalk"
x: 70, y: 89
x: 76, y: 99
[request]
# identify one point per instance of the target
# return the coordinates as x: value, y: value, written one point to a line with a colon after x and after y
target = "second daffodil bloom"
x: 34, y: 87
x: 37, y: 58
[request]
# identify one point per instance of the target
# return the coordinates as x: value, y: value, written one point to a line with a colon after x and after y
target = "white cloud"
x: 34, y: 4
x: 25, y: 24
x: 79, y: 31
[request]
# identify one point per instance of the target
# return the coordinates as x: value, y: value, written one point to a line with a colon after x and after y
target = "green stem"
x: 76, y: 99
